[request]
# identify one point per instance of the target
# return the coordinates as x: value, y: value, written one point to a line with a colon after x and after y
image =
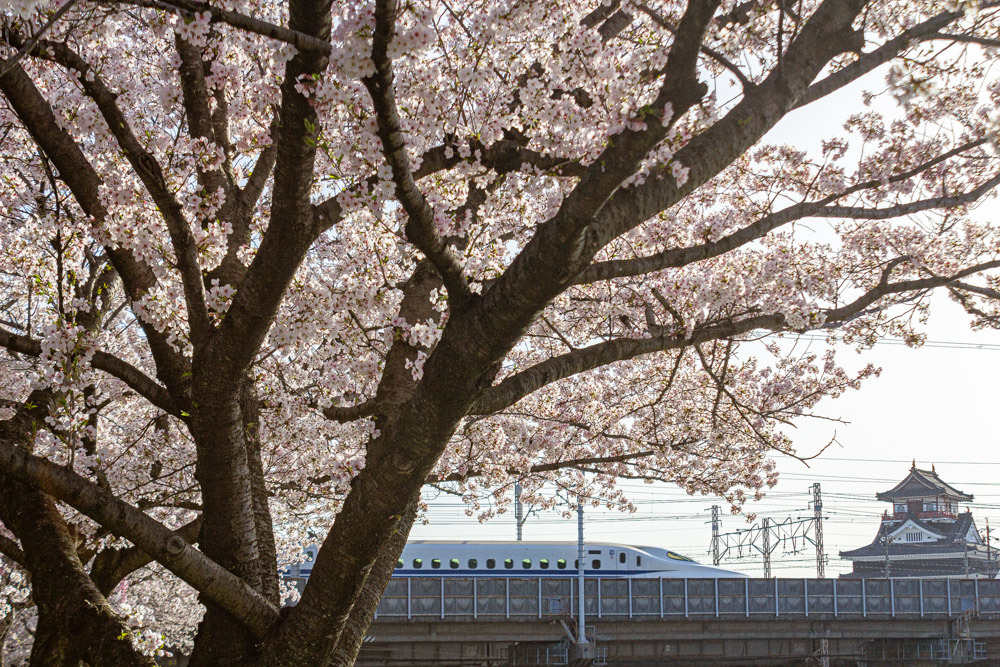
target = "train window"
x: 399, y: 563
x: 596, y: 563
x: 454, y: 563
x: 638, y: 560
x: 576, y: 564
x: 490, y: 563
x: 436, y: 563
x: 526, y: 563
x: 473, y: 563
x: 508, y: 563
x: 544, y: 563
x: 561, y: 563
x: 418, y: 563
x: 671, y: 554
x: 622, y: 557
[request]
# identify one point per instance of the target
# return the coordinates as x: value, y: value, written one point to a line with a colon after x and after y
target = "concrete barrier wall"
x: 486, y: 599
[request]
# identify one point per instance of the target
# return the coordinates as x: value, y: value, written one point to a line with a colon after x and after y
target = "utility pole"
x: 715, y: 535
x: 581, y: 633
x: 818, y: 528
x: 518, y: 509
x: 990, y: 573
x: 886, y: 539
x: 767, y: 547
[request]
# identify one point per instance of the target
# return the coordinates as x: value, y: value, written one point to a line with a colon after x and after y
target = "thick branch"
x: 883, y: 54
x: 516, y: 387
x: 976, y: 289
x: 77, y: 172
x: 138, y: 381
x: 261, y: 172
x: 707, y: 50
x: 300, y: 40
x: 204, y: 123
x: 886, y: 212
x: 827, y: 33
x: 676, y: 257
x: 292, y: 227
x: 968, y: 39
x: 11, y: 550
x: 563, y: 245
x: 149, y: 171
x: 112, y: 565
x: 349, y: 413
x: 167, y: 546
x: 421, y: 228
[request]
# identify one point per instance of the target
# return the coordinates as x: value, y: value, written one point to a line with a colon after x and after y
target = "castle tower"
x: 926, y: 534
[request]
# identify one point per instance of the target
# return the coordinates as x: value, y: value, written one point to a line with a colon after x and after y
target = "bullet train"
x: 433, y: 558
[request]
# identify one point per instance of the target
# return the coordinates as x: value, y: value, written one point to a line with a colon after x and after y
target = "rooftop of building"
x: 952, y: 537
x: 923, y: 484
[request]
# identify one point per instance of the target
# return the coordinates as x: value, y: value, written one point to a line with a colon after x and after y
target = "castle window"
x: 914, y: 537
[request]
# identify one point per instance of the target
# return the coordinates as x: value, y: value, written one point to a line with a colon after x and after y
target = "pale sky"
x: 937, y: 404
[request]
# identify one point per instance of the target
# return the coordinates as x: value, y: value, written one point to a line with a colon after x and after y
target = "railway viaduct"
x: 533, y: 621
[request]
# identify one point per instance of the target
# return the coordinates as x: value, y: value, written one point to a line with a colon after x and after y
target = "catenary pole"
x: 518, y: 510
x: 581, y: 633
x: 818, y: 530
x: 715, y: 535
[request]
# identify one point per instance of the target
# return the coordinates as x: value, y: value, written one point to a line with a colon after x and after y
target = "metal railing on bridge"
x: 488, y: 599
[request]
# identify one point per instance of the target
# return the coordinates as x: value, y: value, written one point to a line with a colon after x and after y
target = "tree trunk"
x: 349, y: 643
x: 267, y: 555
x: 74, y: 620
x: 229, y: 531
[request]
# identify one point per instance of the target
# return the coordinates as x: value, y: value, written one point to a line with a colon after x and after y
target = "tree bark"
x: 74, y: 620
x: 267, y: 555
x: 228, y: 533
x: 353, y: 635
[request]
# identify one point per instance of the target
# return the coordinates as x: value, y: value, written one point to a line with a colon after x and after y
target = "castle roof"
x: 923, y: 484
x: 953, y: 537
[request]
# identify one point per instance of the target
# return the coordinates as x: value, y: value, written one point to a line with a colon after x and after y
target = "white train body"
x: 433, y: 558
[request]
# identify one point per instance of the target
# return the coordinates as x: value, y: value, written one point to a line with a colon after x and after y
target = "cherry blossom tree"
x: 270, y: 268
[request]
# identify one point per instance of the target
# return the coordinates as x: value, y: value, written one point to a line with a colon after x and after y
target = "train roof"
x: 526, y: 543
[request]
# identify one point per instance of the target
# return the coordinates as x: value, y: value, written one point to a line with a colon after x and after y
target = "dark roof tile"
x: 923, y: 484
x: 953, y: 537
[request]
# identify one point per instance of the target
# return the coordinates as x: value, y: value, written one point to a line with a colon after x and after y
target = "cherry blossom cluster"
x: 469, y: 77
